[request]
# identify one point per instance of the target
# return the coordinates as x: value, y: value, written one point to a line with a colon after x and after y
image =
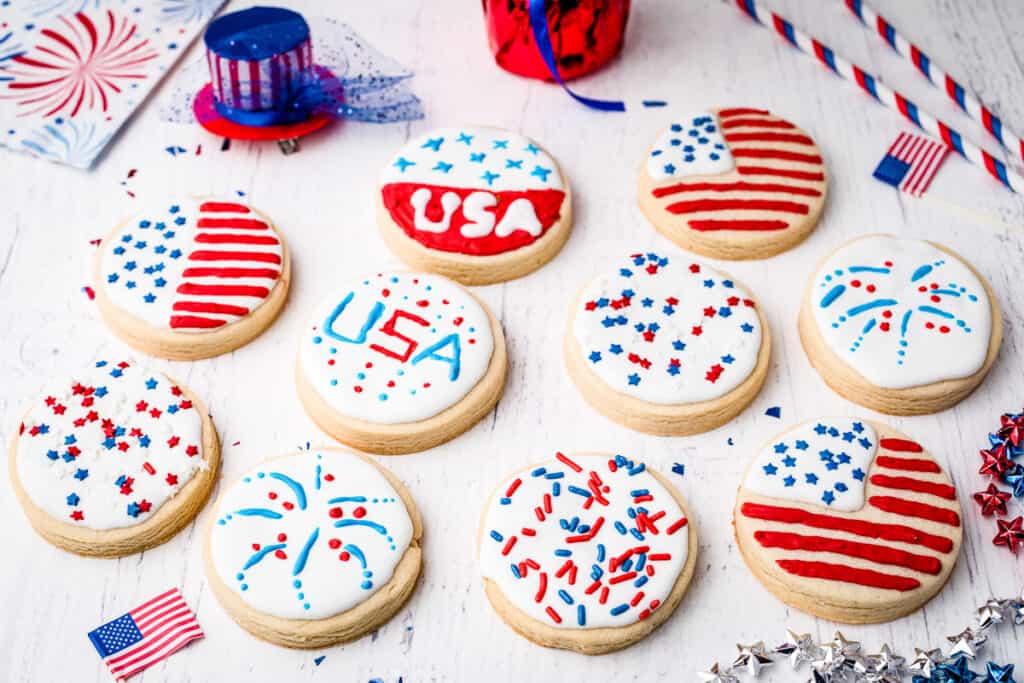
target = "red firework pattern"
x: 79, y: 66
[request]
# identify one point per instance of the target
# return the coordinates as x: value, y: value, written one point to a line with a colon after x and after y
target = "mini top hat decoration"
x: 273, y: 77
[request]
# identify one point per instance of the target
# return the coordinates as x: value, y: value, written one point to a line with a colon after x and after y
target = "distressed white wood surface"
x: 695, y: 53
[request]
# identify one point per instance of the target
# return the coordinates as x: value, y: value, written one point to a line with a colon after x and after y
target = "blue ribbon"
x: 261, y: 118
x: 542, y: 36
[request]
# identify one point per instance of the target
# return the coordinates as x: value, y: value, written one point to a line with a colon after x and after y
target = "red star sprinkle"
x: 591, y: 305
x: 672, y: 301
x: 694, y: 268
x: 648, y: 336
x: 652, y: 269
x: 50, y: 400
x: 1011, y: 533
x: 59, y: 409
x: 77, y: 515
x: 155, y: 413
x: 123, y: 446
x: 185, y: 405
x: 172, y: 480
x: 733, y: 301
x: 92, y: 416
x: 714, y: 373
x: 176, y: 391
x: 191, y: 451
x: 123, y: 364
x: 80, y: 422
x: 992, y: 500
x: 709, y: 312
x: 696, y: 331
x: 995, y: 461
x: 141, y: 407
x: 173, y: 441
x: 144, y: 505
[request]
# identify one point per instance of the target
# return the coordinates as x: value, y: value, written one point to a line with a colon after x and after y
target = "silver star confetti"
x: 798, y: 648
x: 717, y: 675
x: 925, y: 661
x: 752, y: 657
x: 990, y: 614
x: 887, y: 666
x: 966, y: 643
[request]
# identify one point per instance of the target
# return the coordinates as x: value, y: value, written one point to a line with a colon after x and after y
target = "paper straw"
x: 884, y: 94
x: 964, y: 98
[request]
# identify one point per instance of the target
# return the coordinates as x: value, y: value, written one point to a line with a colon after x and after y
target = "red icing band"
x: 209, y: 307
x: 886, y: 532
x: 757, y: 123
x: 779, y: 154
x: 233, y: 223
x: 907, y: 464
x: 223, y: 207
x: 781, y: 173
x: 739, y: 186
x: 910, y: 508
x: 231, y: 272
x: 847, y: 574
x: 708, y: 226
x: 194, y: 321
x: 222, y: 290
x: 215, y: 238
x: 901, y: 445
x: 740, y: 111
x: 397, y: 198
x: 769, y: 137
x: 234, y: 256
x: 864, y: 551
x: 736, y: 205
x: 916, y: 485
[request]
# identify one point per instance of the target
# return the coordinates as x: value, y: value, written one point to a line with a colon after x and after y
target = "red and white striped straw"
x: 961, y: 96
x: 881, y: 92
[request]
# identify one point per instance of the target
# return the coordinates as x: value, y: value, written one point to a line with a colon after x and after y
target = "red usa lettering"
x: 477, y: 210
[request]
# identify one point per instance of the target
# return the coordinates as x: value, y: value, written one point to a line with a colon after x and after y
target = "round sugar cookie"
x: 587, y: 552
x: 478, y: 205
x: 667, y: 345
x: 848, y: 520
x: 114, y: 460
x: 314, y: 548
x: 733, y: 183
x: 902, y: 326
x: 192, y: 278
x: 399, y: 362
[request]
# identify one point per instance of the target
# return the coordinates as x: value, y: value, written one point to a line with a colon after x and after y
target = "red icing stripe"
x: 740, y: 186
x: 209, y: 307
x: 710, y: 226
x: 228, y: 238
x: 769, y: 137
x: 757, y: 123
x: 901, y: 445
x: 740, y: 111
x: 233, y: 223
x: 222, y: 290
x: 222, y: 207
x: 847, y: 574
x: 233, y: 256
x: 864, y: 551
x: 194, y: 321
x: 916, y: 485
x: 736, y: 205
x: 781, y: 173
x: 907, y: 464
x: 231, y: 272
x: 885, y: 532
x: 780, y: 154
x: 910, y: 508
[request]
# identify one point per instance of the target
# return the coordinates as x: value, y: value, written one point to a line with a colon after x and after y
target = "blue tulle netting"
x: 351, y: 80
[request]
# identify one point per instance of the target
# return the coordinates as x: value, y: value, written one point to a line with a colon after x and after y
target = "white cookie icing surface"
x: 692, y: 145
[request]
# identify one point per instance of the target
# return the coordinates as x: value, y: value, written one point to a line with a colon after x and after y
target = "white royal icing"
x: 309, y: 535
x: 482, y: 158
x: 668, y: 330
x: 396, y: 347
x: 823, y: 463
x: 108, y: 447
x: 164, y: 268
x: 901, y: 312
x: 692, y: 145
x: 603, y: 563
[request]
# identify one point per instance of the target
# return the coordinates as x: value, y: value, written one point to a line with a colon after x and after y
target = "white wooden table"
x: 693, y: 53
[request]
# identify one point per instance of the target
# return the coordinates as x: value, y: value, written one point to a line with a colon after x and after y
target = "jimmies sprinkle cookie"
x: 398, y: 362
x: 903, y: 326
x: 114, y: 460
x: 586, y: 552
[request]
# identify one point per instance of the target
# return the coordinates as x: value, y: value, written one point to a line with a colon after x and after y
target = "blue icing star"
x: 828, y: 497
x: 490, y: 177
x: 678, y: 345
x: 151, y: 383
x: 858, y: 427
x: 73, y: 499
x: 676, y: 128
x: 709, y: 283
x: 789, y: 480
x: 801, y: 445
x: 101, y: 392
x: 841, y: 487
x: 463, y: 137
x: 647, y: 302
x: 433, y: 143
x: 541, y: 172
x: 477, y: 157
x: 831, y: 466
x: 781, y: 447
x: 130, y: 265
x: 843, y: 458
x: 634, y: 379
x: 724, y: 311
x: 180, y: 220
x: 531, y: 148
x: 513, y: 163
x: 789, y: 461
x: 442, y: 166
x: 770, y: 469
x: 594, y: 356
x: 159, y: 282
x: 403, y: 164
x: 675, y: 142
x: 130, y: 284
x: 670, y: 169
x: 174, y: 208
x: 175, y: 253
x: 149, y: 298
x: 865, y: 443
x: 727, y: 358
x: 159, y: 249
x: 673, y: 369
x: 615, y: 348
x: 811, y: 478
x: 144, y: 441
x: 118, y: 250
x: 848, y: 437
x: 500, y: 144
x: 112, y: 277
x: 820, y: 428
x: 747, y: 327
x: 858, y: 474
x: 81, y: 474
x: 116, y: 372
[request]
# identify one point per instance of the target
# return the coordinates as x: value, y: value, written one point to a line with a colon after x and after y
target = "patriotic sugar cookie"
x: 902, y: 326
x: 587, y: 552
x: 849, y: 520
x: 398, y: 362
x: 478, y: 205
x: 114, y: 460
x: 192, y: 278
x: 667, y: 345
x: 314, y: 548
x: 733, y: 183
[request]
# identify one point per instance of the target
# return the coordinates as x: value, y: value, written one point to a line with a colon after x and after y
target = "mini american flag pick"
x: 146, y: 635
x: 911, y: 163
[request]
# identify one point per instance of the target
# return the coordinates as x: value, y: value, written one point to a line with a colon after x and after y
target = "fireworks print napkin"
x: 73, y: 71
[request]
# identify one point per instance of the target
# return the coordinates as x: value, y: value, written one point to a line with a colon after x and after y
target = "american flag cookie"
x: 398, y: 362
x: 192, y: 278
x: 113, y: 460
x: 666, y: 344
x: 314, y: 548
x: 587, y: 552
x: 901, y: 326
x: 849, y: 520
x: 735, y: 183
x: 478, y: 205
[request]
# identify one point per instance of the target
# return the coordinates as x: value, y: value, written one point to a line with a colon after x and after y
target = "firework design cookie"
x: 903, y: 326
x: 314, y: 548
x: 849, y: 520
x: 192, y: 278
x: 478, y: 205
x: 587, y: 552
x: 398, y: 362
x: 113, y: 460
x: 667, y: 345
x: 733, y: 183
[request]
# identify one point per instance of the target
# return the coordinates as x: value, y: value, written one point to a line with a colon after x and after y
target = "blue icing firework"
x: 902, y: 312
x: 310, y: 535
x: 692, y: 145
